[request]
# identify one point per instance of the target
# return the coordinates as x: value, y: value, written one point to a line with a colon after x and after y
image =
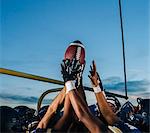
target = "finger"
x: 73, y: 63
x: 67, y: 62
x: 82, y: 66
x: 98, y: 76
x: 91, y: 79
x: 90, y: 76
x: 62, y: 68
x: 77, y: 64
x: 64, y: 63
x: 80, y: 74
x: 78, y: 68
x: 77, y: 72
x: 91, y: 68
x: 91, y: 72
x: 92, y: 61
x: 67, y: 65
x: 94, y: 66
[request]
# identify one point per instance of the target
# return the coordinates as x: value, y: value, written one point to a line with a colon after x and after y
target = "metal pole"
x: 30, y: 76
x: 123, y: 48
x: 43, y: 79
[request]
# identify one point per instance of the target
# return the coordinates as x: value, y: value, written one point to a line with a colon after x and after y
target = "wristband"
x: 70, y: 85
x: 97, y: 89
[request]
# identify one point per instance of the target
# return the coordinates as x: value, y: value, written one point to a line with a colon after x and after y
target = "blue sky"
x: 35, y: 34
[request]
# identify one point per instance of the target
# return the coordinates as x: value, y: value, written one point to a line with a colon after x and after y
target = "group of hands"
x: 72, y: 70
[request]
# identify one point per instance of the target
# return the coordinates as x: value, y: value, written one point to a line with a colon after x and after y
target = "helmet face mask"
x: 113, y: 103
x: 113, y: 107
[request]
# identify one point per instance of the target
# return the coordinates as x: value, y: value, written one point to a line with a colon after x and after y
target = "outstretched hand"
x: 70, y: 69
x: 94, y: 76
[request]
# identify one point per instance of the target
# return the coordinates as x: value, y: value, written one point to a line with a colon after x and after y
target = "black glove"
x: 79, y: 77
x: 70, y: 69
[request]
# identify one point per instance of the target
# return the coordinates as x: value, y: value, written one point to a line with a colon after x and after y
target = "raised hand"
x: 70, y: 69
x: 94, y: 76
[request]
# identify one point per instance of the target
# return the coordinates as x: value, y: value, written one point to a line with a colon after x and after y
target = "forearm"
x: 81, y: 91
x: 59, y: 99
x: 83, y: 113
x: 68, y: 110
x: 65, y: 120
x: 105, y: 109
x: 78, y: 103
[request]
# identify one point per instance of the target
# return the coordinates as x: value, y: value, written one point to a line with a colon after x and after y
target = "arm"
x: 83, y: 113
x: 65, y: 121
x: 68, y: 115
x: 105, y: 109
x: 79, y: 105
x: 59, y: 99
x: 81, y: 91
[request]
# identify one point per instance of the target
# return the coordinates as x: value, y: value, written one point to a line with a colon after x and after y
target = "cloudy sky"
x: 35, y: 34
